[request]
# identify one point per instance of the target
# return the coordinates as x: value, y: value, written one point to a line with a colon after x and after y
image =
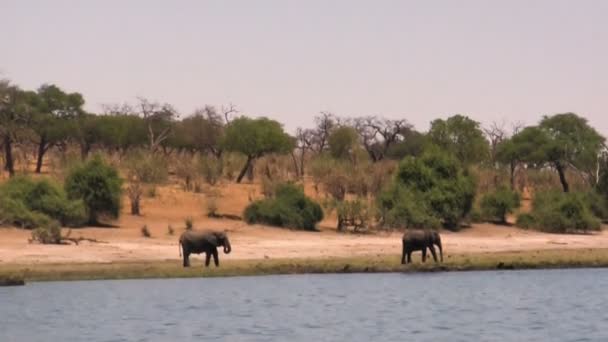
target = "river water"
x: 540, y: 305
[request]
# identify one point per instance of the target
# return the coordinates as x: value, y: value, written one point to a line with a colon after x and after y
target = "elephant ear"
x: 213, y: 239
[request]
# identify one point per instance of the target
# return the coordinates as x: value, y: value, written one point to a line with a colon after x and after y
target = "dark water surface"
x: 546, y: 305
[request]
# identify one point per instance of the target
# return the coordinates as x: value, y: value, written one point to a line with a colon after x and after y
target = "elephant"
x: 203, y: 242
x: 420, y: 240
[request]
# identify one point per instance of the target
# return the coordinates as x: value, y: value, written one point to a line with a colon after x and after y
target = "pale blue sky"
x: 288, y: 60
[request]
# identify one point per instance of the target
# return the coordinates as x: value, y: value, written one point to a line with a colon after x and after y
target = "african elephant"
x: 420, y: 240
x: 203, y: 242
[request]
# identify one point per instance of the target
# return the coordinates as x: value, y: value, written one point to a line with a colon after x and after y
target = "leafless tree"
x: 158, y: 118
x: 379, y: 134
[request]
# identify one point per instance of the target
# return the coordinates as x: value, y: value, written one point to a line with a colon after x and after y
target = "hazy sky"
x: 289, y: 60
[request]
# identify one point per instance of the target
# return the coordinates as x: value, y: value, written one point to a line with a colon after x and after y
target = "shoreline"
x: 515, y: 260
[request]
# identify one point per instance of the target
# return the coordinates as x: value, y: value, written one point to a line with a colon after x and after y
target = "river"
x: 538, y: 305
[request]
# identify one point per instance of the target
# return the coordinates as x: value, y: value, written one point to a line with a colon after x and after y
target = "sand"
x: 171, y: 205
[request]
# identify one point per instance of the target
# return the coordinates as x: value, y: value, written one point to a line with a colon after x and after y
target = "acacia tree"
x: 571, y: 143
x: 563, y: 141
x: 55, y: 109
x: 255, y: 138
x: 461, y: 136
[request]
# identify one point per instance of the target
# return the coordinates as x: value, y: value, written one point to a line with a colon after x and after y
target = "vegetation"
x: 98, y: 185
x: 255, y: 138
x: 428, y: 191
x: 363, y: 264
x: 288, y: 208
x: 560, y: 212
x: 349, y: 160
x: 29, y: 203
x: 496, y: 205
x: 145, y: 232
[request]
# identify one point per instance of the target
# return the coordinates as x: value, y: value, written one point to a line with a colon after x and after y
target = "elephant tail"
x: 179, y: 247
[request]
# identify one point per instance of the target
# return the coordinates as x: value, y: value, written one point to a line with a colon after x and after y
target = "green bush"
x: 98, y: 185
x: 288, y: 208
x: 48, y: 232
x: 29, y: 203
x: 560, y: 212
x: 525, y: 220
x: 399, y: 208
x: 431, y: 189
x: 496, y: 205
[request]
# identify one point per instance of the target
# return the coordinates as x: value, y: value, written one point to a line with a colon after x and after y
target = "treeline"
x: 371, y: 169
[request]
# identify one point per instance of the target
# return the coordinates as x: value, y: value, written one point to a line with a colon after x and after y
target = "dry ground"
x: 172, y: 205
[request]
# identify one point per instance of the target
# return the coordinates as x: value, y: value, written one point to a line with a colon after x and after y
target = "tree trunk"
x: 244, y: 170
x: 512, y: 174
x: 135, y: 206
x: 85, y: 147
x: 42, y: 148
x: 295, y: 165
x: 8, y: 156
x: 562, y: 176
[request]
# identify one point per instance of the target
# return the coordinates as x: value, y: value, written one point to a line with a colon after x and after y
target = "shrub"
x: 560, y: 212
x: 525, y: 220
x: 212, y: 207
x: 288, y: 208
x: 189, y: 222
x: 48, y: 232
x: 426, y: 190
x: 145, y: 232
x: 356, y: 213
x: 98, y: 185
x: 399, y: 208
x: 211, y: 169
x: 147, y: 168
x: 496, y: 205
x: 170, y: 230
x: 30, y: 203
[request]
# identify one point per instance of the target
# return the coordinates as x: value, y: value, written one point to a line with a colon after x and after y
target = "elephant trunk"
x: 227, y: 247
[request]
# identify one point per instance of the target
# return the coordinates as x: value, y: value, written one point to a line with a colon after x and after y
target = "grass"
x: 388, y: 263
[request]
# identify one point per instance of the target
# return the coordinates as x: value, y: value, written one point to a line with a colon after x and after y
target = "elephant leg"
x: 207, y: 258
x: 409, y: 257
x: 432, y: 248
x: 403, y: 256
x: 186, y: 259
x: 216, y: 258
x: 424, y: 254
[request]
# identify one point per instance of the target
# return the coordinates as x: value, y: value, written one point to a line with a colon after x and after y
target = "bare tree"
x: 158, y: 119
x: 324, y: 123
x: 304, y: 144
x: 379, y: 134
x: 495, y: 133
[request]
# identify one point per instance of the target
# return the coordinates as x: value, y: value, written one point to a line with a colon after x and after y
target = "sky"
x: 495, y: 61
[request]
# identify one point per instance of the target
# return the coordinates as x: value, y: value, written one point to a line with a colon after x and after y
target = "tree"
x: 98, y: 185
x: 571, y: 143
x: 16, y: 109
x: 562, y: 141
x: 255, y: 138
x: 342, y: 142
x: 51, y: 121
x: 461, y: 136
x: 202, y: 131
x: 431, y: 188
x: 88, y: 132
x: 378, y: 135
x: 325, y: 123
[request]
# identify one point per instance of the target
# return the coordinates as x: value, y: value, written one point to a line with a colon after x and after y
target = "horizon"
x: 289, y: 61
